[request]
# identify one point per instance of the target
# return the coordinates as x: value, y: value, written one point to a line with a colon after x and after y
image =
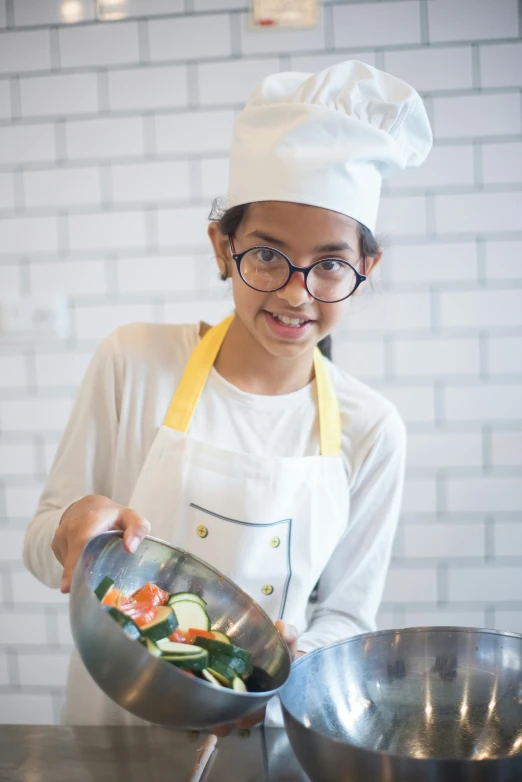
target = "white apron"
x: 268, y: 523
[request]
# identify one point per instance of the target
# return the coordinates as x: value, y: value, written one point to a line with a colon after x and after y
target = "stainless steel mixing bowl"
x: 432, y: 704
x: 147, y: 686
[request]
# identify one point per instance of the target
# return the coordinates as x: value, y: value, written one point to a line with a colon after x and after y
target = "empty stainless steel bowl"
x: 442, y: 704
x: 147, y: 686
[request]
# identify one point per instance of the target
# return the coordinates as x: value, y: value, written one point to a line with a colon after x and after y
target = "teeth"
x: 288, y: 321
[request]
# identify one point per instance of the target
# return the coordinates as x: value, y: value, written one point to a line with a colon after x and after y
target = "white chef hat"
x: 327, y: 139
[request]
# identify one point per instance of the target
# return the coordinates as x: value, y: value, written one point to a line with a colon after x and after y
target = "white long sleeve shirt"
x: 121, y: 404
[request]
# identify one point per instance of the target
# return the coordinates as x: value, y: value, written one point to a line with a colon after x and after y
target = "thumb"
x: 134, y: 527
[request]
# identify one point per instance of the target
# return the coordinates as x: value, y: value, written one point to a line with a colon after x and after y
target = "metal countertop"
x: 34, y: 753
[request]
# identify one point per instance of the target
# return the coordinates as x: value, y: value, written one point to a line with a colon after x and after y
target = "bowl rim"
x: 257, y: 695
x: 398, y: 756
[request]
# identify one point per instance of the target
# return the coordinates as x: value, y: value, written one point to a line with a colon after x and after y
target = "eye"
x: 266, y: 255
x: 330, y: 266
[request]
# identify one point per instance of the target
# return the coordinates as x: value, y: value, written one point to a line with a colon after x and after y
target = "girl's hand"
x: 88, y: 517
x: 289, y: 633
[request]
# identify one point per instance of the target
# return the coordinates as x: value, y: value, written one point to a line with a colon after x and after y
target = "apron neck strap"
x: 192, y: 383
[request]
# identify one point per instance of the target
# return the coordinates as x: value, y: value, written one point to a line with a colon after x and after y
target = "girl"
x: 242, y: 443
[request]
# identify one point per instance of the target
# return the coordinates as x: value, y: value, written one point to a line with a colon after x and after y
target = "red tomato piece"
x: 150, y: 593
x: 179, y: 636
x: 111, y: 597
x: 140, y: 613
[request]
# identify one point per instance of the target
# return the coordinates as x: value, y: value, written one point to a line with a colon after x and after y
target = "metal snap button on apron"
x: 202, y: 531
x: 267, y: 589
x: 275, y: 541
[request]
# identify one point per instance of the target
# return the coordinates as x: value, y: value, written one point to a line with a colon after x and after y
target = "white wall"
x: 113, y: 139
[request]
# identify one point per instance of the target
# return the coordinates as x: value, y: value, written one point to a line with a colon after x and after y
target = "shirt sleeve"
x: 84, y: 462
x: 351, y: 585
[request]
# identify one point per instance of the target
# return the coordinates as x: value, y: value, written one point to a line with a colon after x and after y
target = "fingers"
x: 290, y: 634
x: 88, y: 517
x: 134, y: 527
x: 74, y: 551
x: 247, y: 722
x: 252, y: 719
x: 223, y: 731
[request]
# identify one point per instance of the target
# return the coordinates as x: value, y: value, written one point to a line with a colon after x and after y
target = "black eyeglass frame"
x: 304, y: 270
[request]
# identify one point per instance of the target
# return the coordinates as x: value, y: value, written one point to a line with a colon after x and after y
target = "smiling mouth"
x: 286, y: 320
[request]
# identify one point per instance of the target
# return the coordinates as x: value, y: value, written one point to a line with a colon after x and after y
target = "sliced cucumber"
x: 191, y: 662
x: 126, y: 623
x: 220, y: 648
x: 152, y: 647
x: 103, y: 587
x: 177, y: 596
x: 210, y: 677
x: 238, y: 685
x: 164, y: 623
x: 222, y: 637
x: 191, y: 615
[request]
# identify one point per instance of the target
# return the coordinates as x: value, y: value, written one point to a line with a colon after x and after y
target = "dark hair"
x: 229, y: 220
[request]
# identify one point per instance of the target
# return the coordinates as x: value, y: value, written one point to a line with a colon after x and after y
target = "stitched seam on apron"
x: 258, y: 524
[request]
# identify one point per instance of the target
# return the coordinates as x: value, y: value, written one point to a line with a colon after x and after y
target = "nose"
x: 295, y: 292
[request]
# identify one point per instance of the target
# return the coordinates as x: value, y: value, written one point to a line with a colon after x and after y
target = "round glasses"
x: 267, y: 270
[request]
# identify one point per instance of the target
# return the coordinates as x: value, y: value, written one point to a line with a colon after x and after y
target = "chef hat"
x: 327, y: 139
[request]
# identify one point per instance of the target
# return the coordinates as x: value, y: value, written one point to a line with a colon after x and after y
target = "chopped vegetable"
x: 176, y: 628
x: 219, y: 648
x: 238, y: 685
x: 191, y: 614
x: 180, y: 636
x: 210, y: 677
x: 103, y: 587
x: 141, y: 613
x: 151, y: 593
x: 221, y: 637
x: 195, y: 660
x: 126, y: 623
x: 175, y: 598
x: 152, y: 647
x: 193, y: 632
x: 163, y: 624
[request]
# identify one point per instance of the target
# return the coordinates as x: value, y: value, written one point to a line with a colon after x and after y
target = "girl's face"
x: 305, y: 234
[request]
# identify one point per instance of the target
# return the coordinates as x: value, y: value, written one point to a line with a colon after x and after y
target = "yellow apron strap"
x: 184, y: 401
x: 328, y: 404
x: 188, y: 392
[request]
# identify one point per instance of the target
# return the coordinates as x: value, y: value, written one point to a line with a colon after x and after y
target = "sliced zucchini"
x: 238, y: 685
x: 223, y: 672
x: 191, y: 662
x: 164, y: 623
x: 210, y: 677
x: 103, y: 587
x: 173, y: 647
x: 221, y: 679
x: 221, y: 637
x: 152, y: 647
x: 126, y: 623
x: 191, y: 615
x: 177, y: 596
x: 220, y: 648
x: 238, y: 665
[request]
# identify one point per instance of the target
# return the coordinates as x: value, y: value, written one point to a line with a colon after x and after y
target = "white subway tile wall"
x: 114, y: 139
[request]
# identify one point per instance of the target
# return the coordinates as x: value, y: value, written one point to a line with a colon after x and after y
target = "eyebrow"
x: 324, y: 248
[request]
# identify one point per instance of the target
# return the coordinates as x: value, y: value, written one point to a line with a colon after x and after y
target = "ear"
x: 372, y: 261
x: 221, y: 249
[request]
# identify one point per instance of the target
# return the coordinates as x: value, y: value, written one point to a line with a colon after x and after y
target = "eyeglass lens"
x: 267, y: 270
